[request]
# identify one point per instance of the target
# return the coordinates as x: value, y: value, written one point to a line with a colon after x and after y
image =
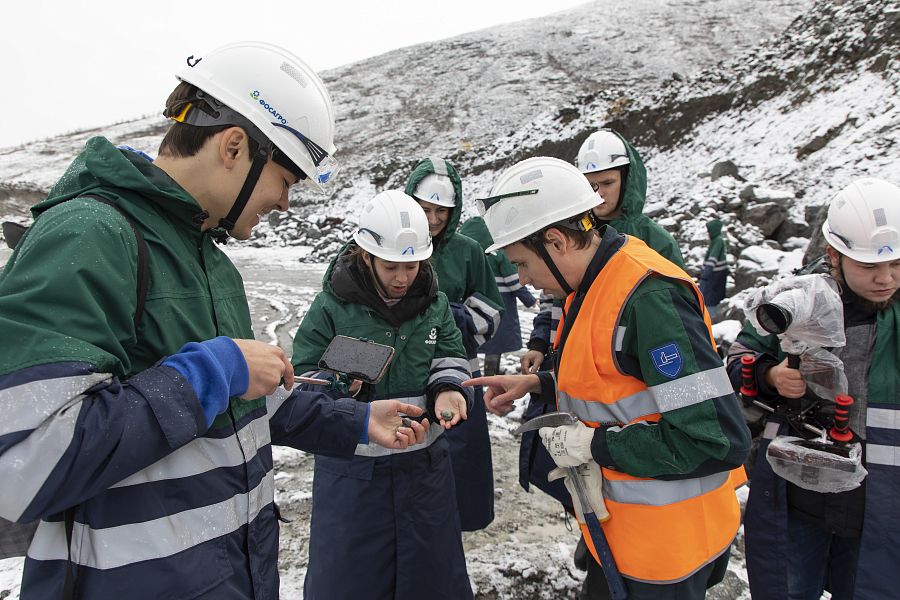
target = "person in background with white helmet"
x: 384, y: 522
x: 660, y: 433
x: 136, y: 424
x: 617, y: 175
x: 798, y: 541
x: 466, y: 278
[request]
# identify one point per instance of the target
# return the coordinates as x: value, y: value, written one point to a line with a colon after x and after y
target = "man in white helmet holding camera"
x: 660, y: 434
x: 136, y: 424
x: 800, y: 541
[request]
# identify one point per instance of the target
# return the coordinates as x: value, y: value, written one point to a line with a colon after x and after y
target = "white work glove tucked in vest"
x: 592, y: 484
x: 569, y: 445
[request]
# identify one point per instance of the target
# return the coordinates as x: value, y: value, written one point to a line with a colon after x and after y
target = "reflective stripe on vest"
x: 659, y: 531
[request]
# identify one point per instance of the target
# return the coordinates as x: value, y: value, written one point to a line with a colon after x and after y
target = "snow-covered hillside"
x: 460, y: 97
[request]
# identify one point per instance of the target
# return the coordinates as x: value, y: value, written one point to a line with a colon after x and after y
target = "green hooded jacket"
x: 95, y: 423
x: 462, y: 268
x: 632, y: 220
x: 195, y: 291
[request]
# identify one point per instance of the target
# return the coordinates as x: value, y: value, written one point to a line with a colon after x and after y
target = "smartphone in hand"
x: 357, y: 359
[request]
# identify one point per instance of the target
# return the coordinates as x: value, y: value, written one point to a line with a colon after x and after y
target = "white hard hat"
x: 533, y: 194
x: 602, y: 150
x: 394, y: 227
x: 437, y: 189
x: 279, y: 94
x: 864, y: 221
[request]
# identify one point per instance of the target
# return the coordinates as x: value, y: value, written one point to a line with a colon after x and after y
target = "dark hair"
x: 580, y: 239
x: 183, y: 140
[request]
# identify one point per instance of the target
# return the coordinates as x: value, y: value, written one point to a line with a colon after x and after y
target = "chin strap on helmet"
x: 259, y: 161
x: 583, y: 222
x: 542, y: 252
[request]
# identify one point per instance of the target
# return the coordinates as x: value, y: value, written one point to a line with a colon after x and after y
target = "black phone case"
x: 358, y: 359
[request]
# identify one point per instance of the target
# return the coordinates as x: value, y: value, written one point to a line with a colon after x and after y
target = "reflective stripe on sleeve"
x: 205, y: 454
x: 621, y: 411
x: 48, y: 408
x: 692, y: 389
x: 508, y: 284
x: 28, y: 405
x: 449, y: 367
x: 883, y: 418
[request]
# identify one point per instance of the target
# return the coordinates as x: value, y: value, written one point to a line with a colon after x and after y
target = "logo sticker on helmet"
x: 255, y: 95
x: 667, y: 360
x: 408, y: 250
x: 883, y: 248
x: 436, y: 197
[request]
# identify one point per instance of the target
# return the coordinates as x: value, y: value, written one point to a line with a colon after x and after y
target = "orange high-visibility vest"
x: 659, y: 531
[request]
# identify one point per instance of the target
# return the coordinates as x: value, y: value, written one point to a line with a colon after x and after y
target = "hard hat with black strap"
x: 277, y: 99
x: 533, y: 195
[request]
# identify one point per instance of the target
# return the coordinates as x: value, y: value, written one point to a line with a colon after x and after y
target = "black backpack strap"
x: 68, y: 592
x: 143, y: 270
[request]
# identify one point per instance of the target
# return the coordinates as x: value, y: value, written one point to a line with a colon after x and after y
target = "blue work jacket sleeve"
x: 540, y: 333
x: 315, y: 422
x: 70, y: 432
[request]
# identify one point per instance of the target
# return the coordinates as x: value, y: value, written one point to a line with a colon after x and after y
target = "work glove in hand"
x: 569, y: 445
x: 591, y: 482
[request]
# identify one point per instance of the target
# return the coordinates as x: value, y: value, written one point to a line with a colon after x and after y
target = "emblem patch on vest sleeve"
x: 667, y: 360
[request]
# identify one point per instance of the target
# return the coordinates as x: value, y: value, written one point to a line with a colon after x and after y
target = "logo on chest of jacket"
x: 667, y: 360
x: 432, y: 336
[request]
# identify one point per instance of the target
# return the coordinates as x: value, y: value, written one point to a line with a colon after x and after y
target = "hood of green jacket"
x: 101, y: 166
x: 81, y: 260
x: 477, y: 229
x: 426, y: 167
x: 635, y: 190
x: 632, y: 220
x: 351, y: 281
x: 714, y: 228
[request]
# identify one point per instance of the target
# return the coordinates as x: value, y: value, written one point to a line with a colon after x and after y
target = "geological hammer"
x: 604, y: 552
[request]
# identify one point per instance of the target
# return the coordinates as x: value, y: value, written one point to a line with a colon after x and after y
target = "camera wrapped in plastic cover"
x: 804, y: 310
x: 816, y: 465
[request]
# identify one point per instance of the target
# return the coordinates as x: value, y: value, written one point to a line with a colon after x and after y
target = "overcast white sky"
x: 70, y: 64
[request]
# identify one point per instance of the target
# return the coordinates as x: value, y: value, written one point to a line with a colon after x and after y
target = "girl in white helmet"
x: 801, y: 541
x: 385, y: 524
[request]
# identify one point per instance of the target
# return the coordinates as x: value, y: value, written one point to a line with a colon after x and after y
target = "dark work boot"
x: 581, y: 555
x: 594, y: 586
x: 491, y: 364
